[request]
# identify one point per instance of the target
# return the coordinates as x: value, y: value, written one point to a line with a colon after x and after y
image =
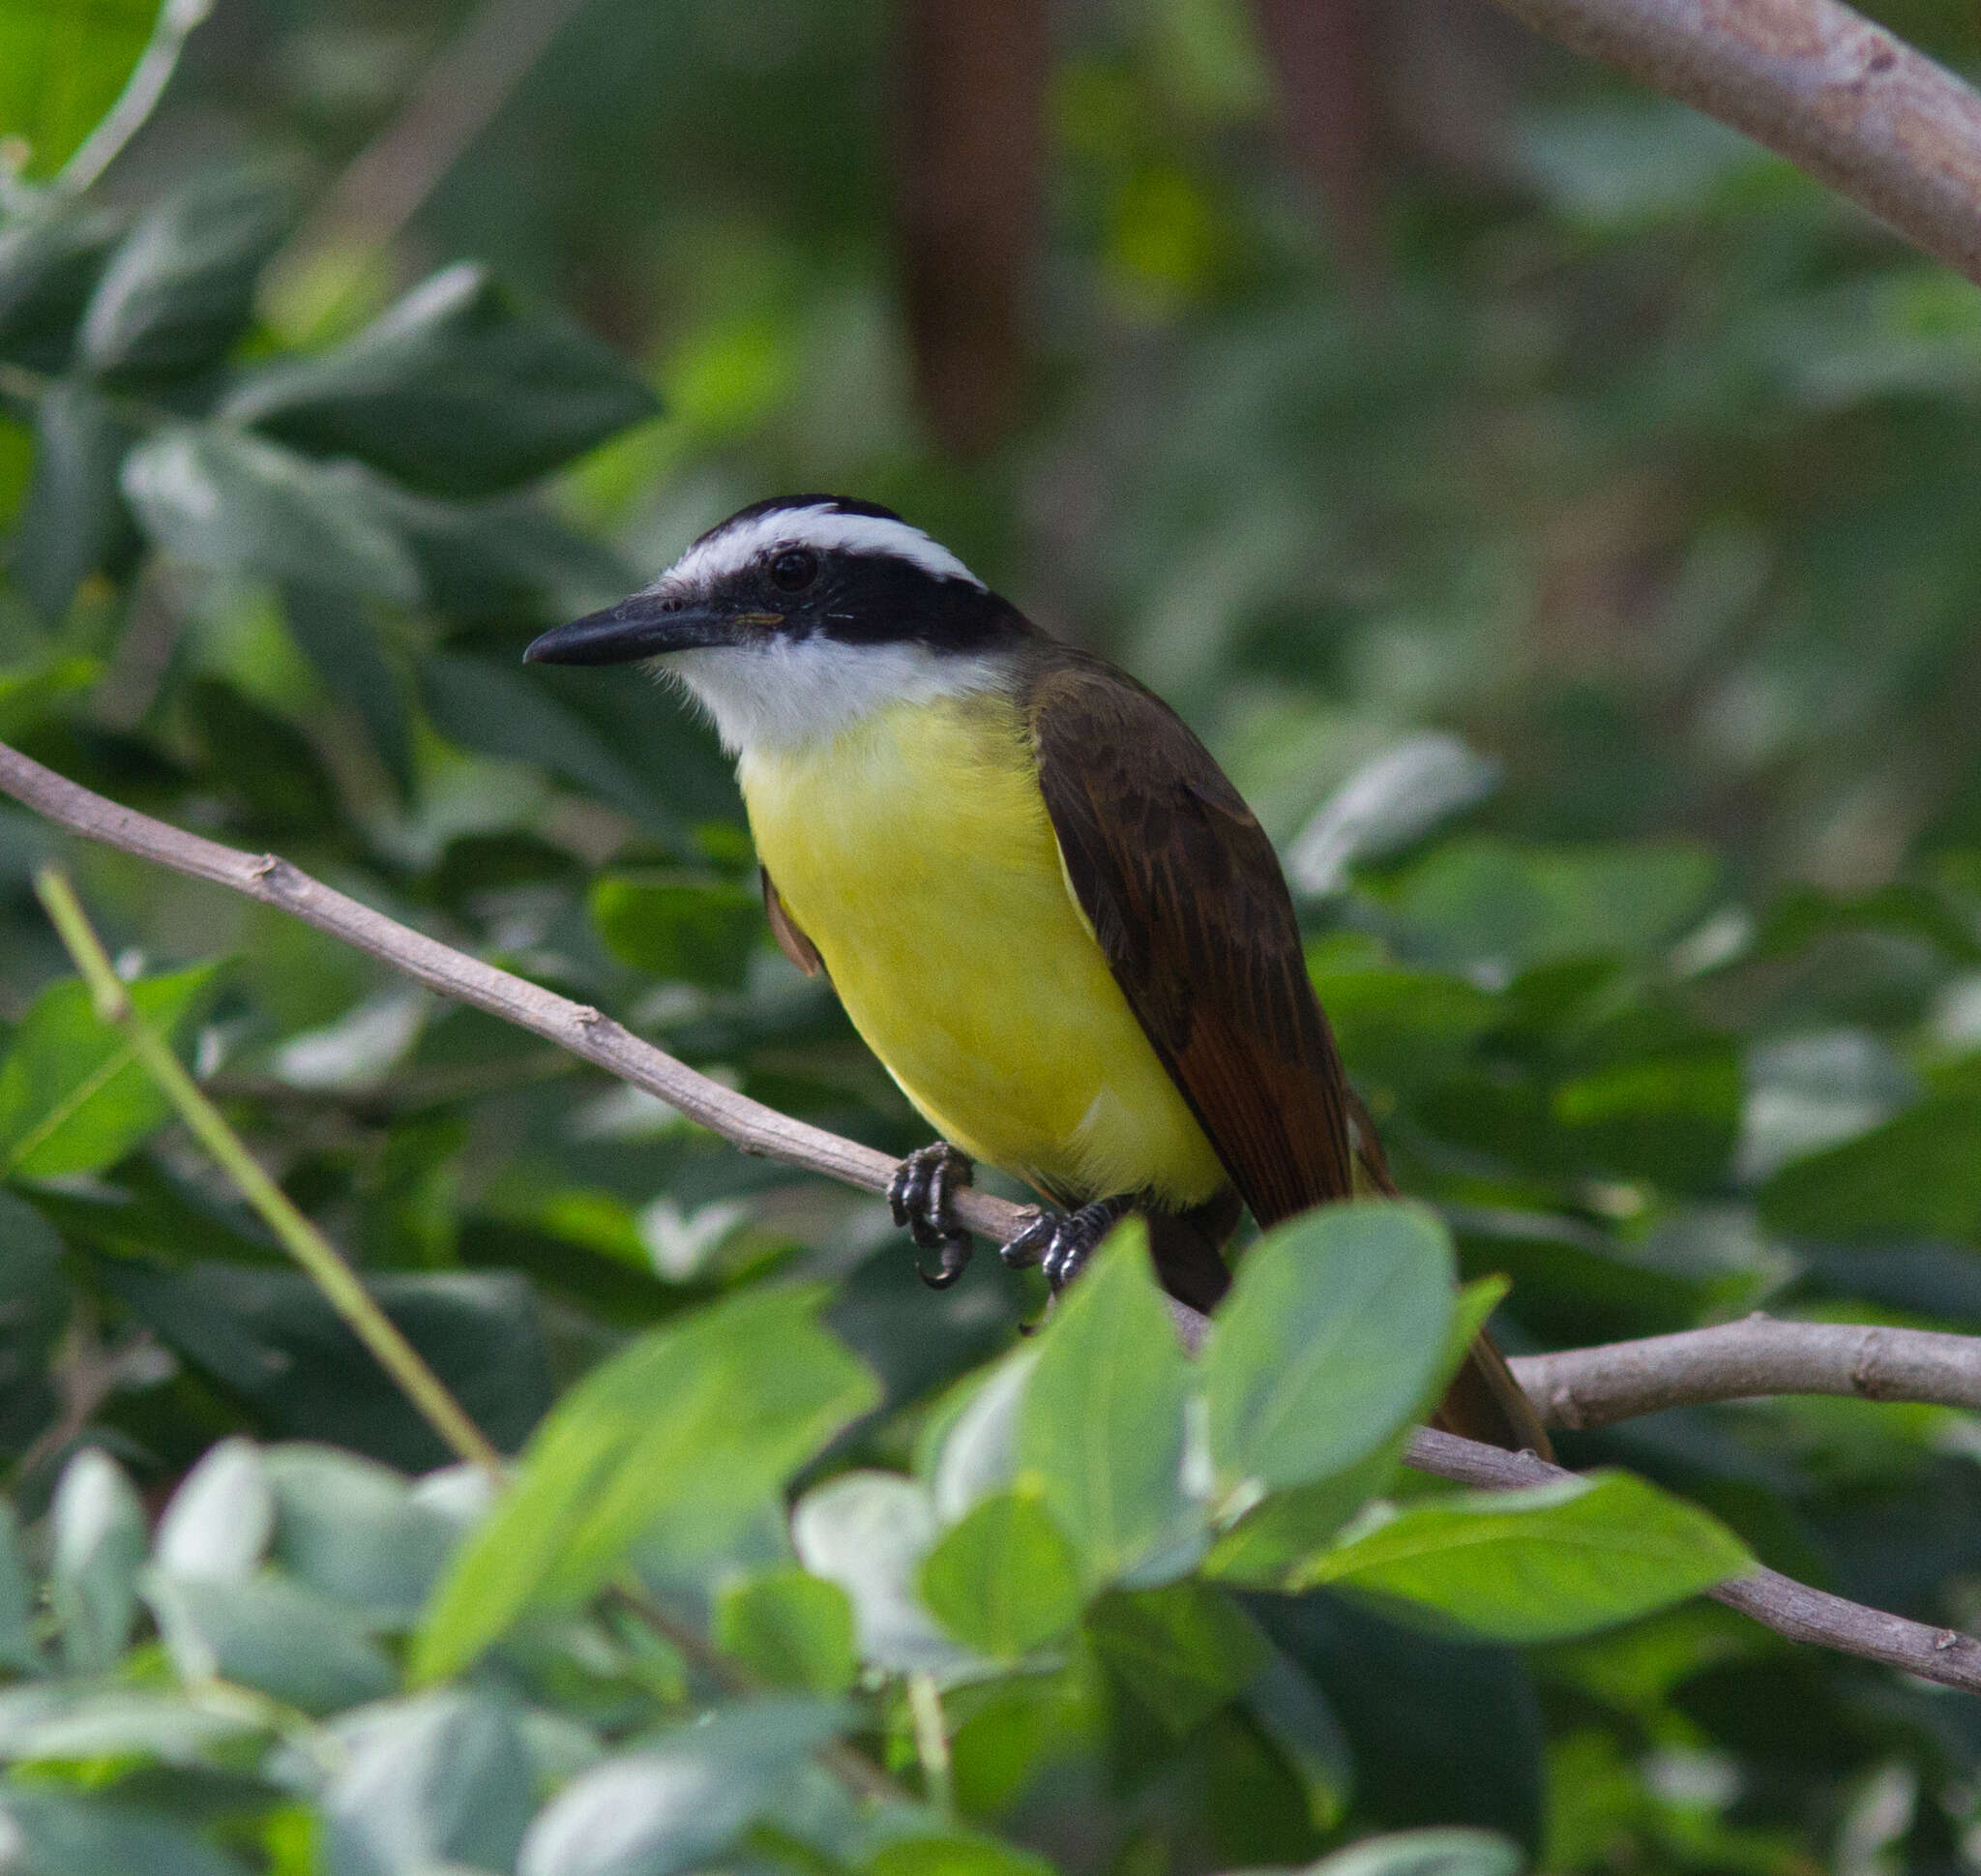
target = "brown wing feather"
x: 1185, y: 895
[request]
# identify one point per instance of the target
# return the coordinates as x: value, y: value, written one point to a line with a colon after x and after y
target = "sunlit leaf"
x: 1553, y: 1560
x: 691, y: 1429
x: 73, y: 1097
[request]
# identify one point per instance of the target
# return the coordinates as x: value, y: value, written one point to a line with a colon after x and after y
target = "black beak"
x: 644, y: 626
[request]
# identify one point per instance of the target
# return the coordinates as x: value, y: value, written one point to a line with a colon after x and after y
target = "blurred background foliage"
x: 1557, y: 516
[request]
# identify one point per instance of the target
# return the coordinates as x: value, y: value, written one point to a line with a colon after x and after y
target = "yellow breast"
x: 914, y: 851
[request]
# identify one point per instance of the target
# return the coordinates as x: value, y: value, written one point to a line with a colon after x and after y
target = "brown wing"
x: 791, y: 941
x: 1184, y: 892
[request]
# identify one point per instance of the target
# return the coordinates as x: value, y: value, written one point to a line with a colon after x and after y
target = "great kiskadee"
x: 1042, y: 902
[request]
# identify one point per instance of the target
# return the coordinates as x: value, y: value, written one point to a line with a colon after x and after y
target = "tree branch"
x: 1585, y: 1388
x: 1772, y: 1599
x: 1881, y: 1360
x: 1815, y: 82
x: 584, y: 1031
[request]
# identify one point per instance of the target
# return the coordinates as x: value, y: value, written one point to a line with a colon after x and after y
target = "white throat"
x: 777, y: 695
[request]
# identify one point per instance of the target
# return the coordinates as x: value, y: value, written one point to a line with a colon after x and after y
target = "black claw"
x: 919, y: 1197
x: 1033, y: 1242
x: 1060, y: 1242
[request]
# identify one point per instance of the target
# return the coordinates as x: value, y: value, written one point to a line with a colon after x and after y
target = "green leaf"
x: 1328, y: 1343
x: 73, y: 1099
x: 352, y: 1530
x: 790, y: 1628
x: 954, y: 1856
x: 1403, y: 1027
x: 679, y: 926
x: 180, y: 289
x: 18, y: 1648
x: 673, y: 1807
x: 1557, y: 1559
x: 270, y: 1338
x: 1183, y: 1650
x: 220, y: 1520
x: 441, y: 1780
x: 218, y: 499
x: 1273, y: 1538
x: 972, y: 1436
x: 60, y: 1834
x: 60, y: 69
x: 456, y: 391
x: 1288, y: 1708
x: 36, y: 1301
x: 80, y: 1720
x: 870, y: 1532
x: 265, y: 768
x: 1487, y: 901
x: 270, y: 1634
x: 30, y: 693
x: 1005, y: 1580
x: 690, y: 1430
x: 1670, y: 1118
x: 1917, y: 1176
x: 504, y: 713
x: 1102, y: 1426
x: 98, y: 1544
x: 338, y: 636
x: 510, y: 562
x: 74, y: 516
x: 50, y: 263
x: 1444, y: 1851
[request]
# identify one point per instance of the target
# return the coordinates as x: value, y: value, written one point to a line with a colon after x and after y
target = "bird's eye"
x: 794, y: 570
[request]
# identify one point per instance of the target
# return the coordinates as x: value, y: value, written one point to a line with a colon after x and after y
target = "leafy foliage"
x: 1650, y: 480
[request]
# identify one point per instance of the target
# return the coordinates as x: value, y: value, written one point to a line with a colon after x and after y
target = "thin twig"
x: 1584, y: 1388
x: 584, y: 1031
x: 139, y: 97
x: 1776, y: 1602
x: 299, y: 1236
x: 1838, y: 96
x: 932, y: 1742
x: 1772, y: 1599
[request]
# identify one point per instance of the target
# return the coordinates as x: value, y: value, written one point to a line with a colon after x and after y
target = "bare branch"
x: 1815, y: 82
x: 1771, y: 1598
x: 1776, y: 1602
x: 586, y: 1032
x: 1583, y: 1387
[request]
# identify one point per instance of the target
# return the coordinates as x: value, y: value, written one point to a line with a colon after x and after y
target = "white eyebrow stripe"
x: 820, y: 527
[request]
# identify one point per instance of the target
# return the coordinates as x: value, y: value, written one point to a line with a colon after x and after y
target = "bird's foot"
x: 919, y: 1197
x: 1060, y: 1242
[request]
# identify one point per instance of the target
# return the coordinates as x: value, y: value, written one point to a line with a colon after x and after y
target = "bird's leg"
x: 1060, y: 1242
x: 919, y: 1194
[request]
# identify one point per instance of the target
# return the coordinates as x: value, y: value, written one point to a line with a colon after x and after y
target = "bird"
x: 1039, y: 899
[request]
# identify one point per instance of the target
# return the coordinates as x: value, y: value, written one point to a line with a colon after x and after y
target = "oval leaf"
x: 1328, y: 1343
x: 1558, y: 1559
x: 1005, y: 1580
x: 456, y: 391
x: 1101, y: 1425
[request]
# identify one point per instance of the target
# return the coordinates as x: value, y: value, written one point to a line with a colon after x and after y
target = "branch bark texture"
x: 1876, y: 1365
x: 1585, y: 1388
x: 584, y: 1031
x: 1838, y: 96
x: 1772, y: 1599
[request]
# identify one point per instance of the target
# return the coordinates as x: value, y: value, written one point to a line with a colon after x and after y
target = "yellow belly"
x: 915, y: 853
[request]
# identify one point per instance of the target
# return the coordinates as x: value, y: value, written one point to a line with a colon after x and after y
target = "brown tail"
x: 1484, y: 1401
